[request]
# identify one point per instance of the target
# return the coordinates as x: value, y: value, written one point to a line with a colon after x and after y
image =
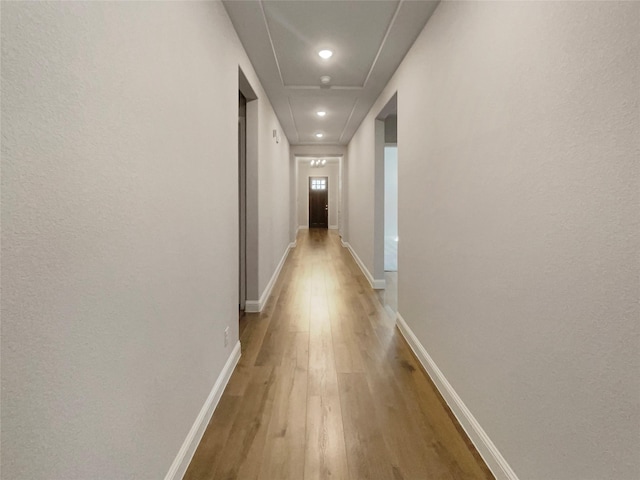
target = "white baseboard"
x: 486, y: 448
x: 252, y: 306
x: 185, y: 454
x: 256, y: 306
x: 333, y: 227
x: 376, y: 284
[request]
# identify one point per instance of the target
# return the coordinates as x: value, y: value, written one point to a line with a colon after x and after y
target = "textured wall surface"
x: 360, y: 191
x: 273, y: 196
x: 519, y: 150
x: 119, y: 230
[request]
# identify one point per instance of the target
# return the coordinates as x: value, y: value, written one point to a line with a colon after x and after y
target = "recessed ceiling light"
x: 325, y: 54
x: 319, y: 135
x: 321, y: 113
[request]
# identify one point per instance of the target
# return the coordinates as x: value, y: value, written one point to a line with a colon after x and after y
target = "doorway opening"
x: 391, y: 237
x: 247, y: 195
x: 318, y: 202
x: 386, y: 225
x: 242, y: 201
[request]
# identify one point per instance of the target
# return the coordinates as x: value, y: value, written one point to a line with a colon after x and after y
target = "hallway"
x: 142, y: 202
x: 327, y: 388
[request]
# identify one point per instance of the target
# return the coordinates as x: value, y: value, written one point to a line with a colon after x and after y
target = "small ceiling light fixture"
x: 325, y: 79
x: 319, y: 135
x: 321, y: 113
x: 325, y: 54
x: 318, y: 163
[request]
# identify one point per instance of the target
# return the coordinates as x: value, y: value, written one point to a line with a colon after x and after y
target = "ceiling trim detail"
x: 348, y: 120
x: 273, y: 48
x: 384, y: 40
x: 321, y: 87
x: 293, y: 118
x: 302, y: 157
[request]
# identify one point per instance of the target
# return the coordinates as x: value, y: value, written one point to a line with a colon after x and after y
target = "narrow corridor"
x: 327, y: 388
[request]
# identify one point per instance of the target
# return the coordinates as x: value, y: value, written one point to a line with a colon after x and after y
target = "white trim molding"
x: 256, y: 306
x: 185, y: 454
x: 333, y: 227
x: 486, y: 448
x: 252, y: 306
x: 376, y: 284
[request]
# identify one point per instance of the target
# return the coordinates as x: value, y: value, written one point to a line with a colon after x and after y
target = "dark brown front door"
x: 318, y: 202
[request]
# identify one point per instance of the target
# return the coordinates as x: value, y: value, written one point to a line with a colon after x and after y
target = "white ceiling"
x: 369, y: 39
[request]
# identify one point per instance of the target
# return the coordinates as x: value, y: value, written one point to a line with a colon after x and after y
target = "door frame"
x: 251, y: 149
x: 391, y: 108
x: 242, y: 200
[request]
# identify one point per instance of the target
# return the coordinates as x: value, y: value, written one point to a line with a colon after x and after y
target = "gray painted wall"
x: 120, y: 229
x: 274, y: 203
x: 518, y: 131
x: 360, y: 176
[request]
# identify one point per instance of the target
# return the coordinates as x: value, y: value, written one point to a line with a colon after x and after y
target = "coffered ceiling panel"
x: 352, y: 30
x: 369, y: 39
x: 338, y: 109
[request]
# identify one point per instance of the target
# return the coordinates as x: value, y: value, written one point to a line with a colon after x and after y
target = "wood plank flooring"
x: 327, y: 388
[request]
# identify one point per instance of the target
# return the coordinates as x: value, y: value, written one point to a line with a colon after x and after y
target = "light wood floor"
x: 327, y: 388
